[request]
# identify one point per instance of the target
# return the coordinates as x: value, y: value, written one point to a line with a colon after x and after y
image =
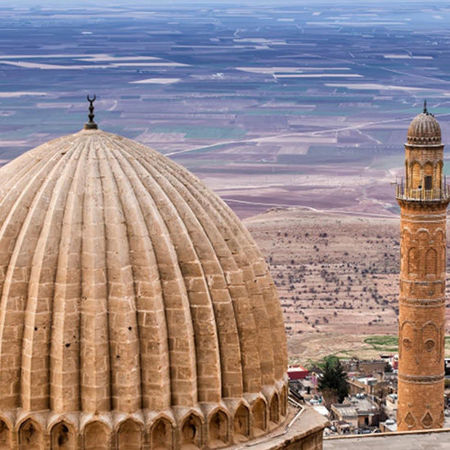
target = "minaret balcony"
x: 405, y: 193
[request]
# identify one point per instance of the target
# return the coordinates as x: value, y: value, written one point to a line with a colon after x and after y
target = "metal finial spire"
x: 425, y: 110
x: 91, y: 125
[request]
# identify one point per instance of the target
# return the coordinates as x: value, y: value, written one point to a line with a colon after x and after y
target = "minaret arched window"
x: 428, y: 176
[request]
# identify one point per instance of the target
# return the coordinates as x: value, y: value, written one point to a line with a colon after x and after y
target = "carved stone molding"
x: 421, y: 379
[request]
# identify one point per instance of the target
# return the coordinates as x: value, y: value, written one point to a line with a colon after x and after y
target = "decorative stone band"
x: 414, y: 289
x: 421, y: 379
x: 436, y: 217
x: 423, y: 302
x: 433, y: 146
x: 430, y: 205
x: 420, y: 282
x: 203, y: 426
x: 428, y: 219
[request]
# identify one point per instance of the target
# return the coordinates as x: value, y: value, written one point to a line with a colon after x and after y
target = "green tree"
x: 333, y: 382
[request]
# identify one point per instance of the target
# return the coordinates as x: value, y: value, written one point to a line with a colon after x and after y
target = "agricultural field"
x: 337, y: 277
x: 271, y: 104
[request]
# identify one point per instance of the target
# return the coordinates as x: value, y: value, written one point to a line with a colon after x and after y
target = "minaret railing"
x: 405, y: 193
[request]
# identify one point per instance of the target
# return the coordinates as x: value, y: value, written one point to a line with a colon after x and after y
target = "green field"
x: 383, y: 343
x: 371, y: 348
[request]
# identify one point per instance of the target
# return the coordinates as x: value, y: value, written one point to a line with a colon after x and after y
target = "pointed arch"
x: 218, y: 430
x: 431, y: 262
x: 161, y: 435
x: 439, y: 236
x: 241, y: 423
x: 274, y: 409
x: 191, y: 432
x: 428, y: 176
x: 413, y: 261
x: 423, y: 236
x: 431, y: 342
x: 427, y: 420
x: 406, y: 235
x: 97, y: 436
x: 63, y: 437
x: 259, y: 417
x: 30, y: 436
x: 5, y: 436
x: 407, y: 337
x: 129, y: 436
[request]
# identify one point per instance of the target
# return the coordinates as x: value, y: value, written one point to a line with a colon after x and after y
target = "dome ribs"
x: 270, y: 311
x: 13, y: 186
x: 234, y: 280
x: 19, y: 237
x: 243, y: 251
x: 29, y: 162
x: 123, y: 334
x: 271, y: 302
x: 129, y: 292
x: 151, y: 321
x: 48, y: 213
x: 199, y: 267
x: 179, y: 322
x: 94, y: 334
x: 65, y: 339
x: 164, y: 209
x: 200, y: 230
x: 424, y: 130
x: 239, y: 249
x: 38, y: 313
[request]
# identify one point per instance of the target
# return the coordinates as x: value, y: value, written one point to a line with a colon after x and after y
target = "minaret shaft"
x: 421, y: 316
x: 423, y: 201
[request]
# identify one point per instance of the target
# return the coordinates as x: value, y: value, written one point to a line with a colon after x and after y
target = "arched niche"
x: 413, y: 261
x: 274, y: 409
x: 423, y: 237
x: 218, y: 430
x: 191, y: 431
x: 259, y: 417
x: 97, y: 436
x: 63, y: 437
x: 5, y: 436
x: 161, y: 435
x: 407, y: 338
x: 241, y: 423
x: 439, y: 236
x: 406, y: 236
x: 428, y: 176
x: 431, y: 262
x: 431, y: 343
x: 30, y: 436
x: 129, y: 436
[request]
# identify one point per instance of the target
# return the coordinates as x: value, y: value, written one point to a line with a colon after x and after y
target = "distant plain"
x: 297, y: 105
x: 337, y: 277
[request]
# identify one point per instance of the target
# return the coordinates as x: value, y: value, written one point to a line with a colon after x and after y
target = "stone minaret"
x: 423, y: 198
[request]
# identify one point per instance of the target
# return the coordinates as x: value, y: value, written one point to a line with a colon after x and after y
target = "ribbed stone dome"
x: 135, y: 307
x: 424, y: 130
